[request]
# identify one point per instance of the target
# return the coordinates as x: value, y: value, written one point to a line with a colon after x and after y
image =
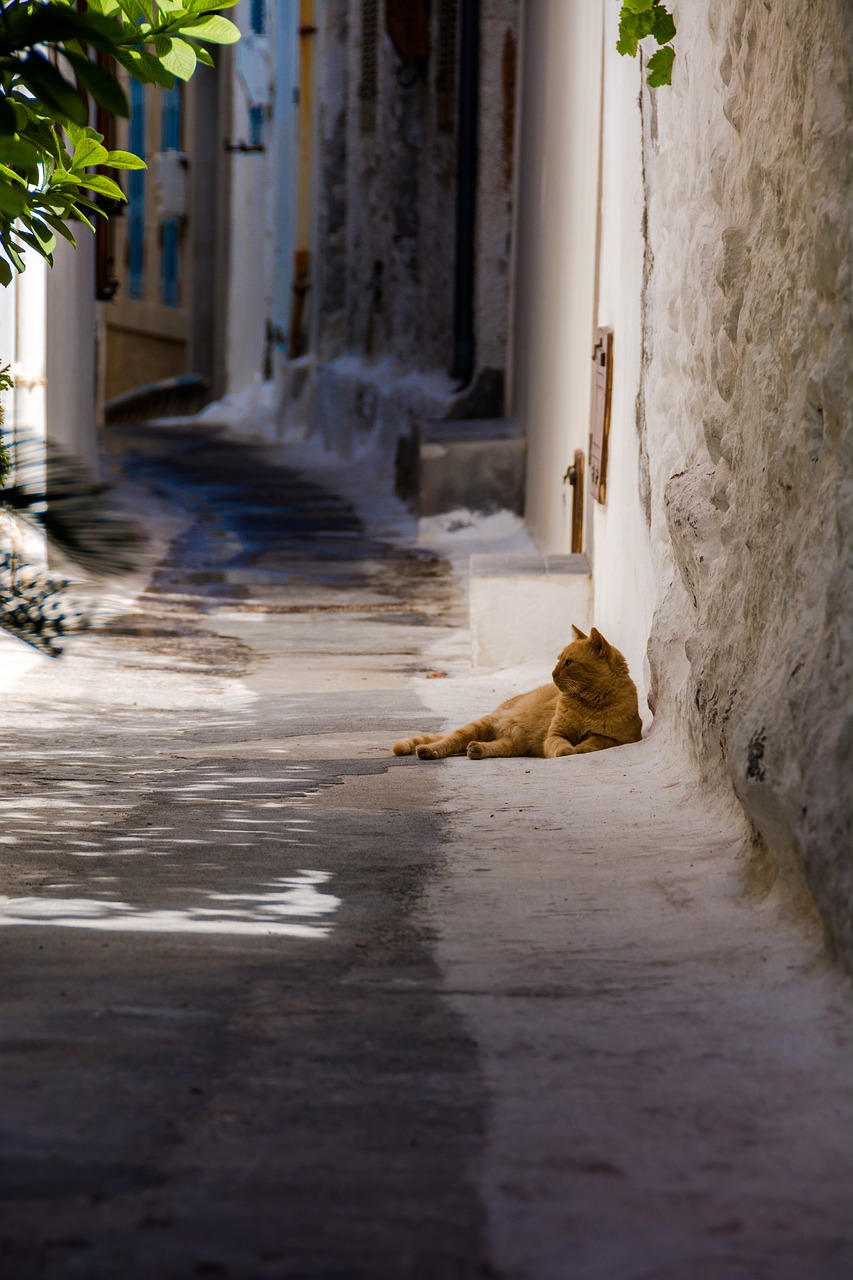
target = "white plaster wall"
x: 23, y: 346
x: 619, y: 539
x: 557, y: 196
x: 250, y: 220
x: 70, y: 357
x: 334, y: 183
x: 749, y: 422
x: 400, y: 212
x: 498, y: 54
x: 388, y: 195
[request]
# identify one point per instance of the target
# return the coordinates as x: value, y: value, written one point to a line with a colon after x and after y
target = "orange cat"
x: 592, y: 704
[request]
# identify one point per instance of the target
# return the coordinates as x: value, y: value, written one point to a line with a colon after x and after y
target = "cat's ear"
x: 579, y: 635
x: 599, y: 644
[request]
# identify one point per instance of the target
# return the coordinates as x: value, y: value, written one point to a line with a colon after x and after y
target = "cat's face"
x: 585, y: 664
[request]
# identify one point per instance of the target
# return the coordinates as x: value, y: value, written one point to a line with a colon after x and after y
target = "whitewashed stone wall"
x: 388, y: 195
x: 748, y: 418
x: 499, y: 75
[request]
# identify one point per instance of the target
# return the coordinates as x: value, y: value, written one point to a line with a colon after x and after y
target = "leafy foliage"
x: 54, y: 61
x: 641, y: 18
x: 70, y: 508
x: 34, y: 607
x: 57, y: 57
x: 53, y: 495
x: 6, y: 384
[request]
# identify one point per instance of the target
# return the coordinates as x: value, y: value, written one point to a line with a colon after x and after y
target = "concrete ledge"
x: 491, y: 566
x: 181, y: 396
x: 522, y: 607
x: 477, y: 464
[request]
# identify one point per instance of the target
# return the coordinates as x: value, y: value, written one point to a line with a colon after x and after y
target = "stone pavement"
x: 277, y: 1004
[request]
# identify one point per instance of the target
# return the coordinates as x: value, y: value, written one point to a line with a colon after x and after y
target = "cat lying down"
x: 591, y: 705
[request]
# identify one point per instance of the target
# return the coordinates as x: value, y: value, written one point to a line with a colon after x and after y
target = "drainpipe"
x: 466, y: 192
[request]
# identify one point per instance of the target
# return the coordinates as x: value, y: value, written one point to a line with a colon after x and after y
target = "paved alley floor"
x: 276, y: 1003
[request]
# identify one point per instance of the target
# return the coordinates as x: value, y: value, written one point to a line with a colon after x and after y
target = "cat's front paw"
x: 475, y: 750
x: 402, y: 748
x: 560, y: 749
x: 427, y: 753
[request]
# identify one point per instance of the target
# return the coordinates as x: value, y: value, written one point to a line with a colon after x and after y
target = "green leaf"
x: 12, y: 251
x: 41, y: 233
x: 203, y: 56
x: 663, y: 29
x: 215, y: 30
x: 64, y: 178
x: 58, y: 226
x: 12, y: 176
x: 55, y: 24
x: 633, y: 27
x: 13, y: 201
x: 660, y: 67
x: 19, y: 151
x: 88, y: 152
x: 104, y: 88
x: 629, y: 35
x: 103, y: 185
x: 77, y: 133
x: 75, y: 214
x: 637, y: 6
x: 124, y: 160
x: 23, y: 113
x: 47, y: 24
x: 5, y: 273
x: 144, y: 66
x: 54, y: 91
x: 134, y: 10
x: 176, y: 56
x: 203, y: 6
x: 8, y: 122
x: 33, y: 242
x: 83, y: 202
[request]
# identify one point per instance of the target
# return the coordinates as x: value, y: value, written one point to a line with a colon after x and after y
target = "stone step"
x: 522, y: 607
x: 475, y: 464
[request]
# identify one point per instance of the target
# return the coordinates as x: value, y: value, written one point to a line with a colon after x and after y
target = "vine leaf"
x: 660, y: 67
x: 664, y: 25
x: 641, y: 18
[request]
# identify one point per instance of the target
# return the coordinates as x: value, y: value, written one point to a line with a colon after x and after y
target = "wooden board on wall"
x: 602, y: 393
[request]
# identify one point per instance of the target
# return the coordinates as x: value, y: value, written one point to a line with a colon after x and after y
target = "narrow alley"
x: 279, y: 1004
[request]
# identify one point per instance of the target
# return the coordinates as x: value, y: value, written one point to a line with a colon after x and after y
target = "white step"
x: 522, y: 607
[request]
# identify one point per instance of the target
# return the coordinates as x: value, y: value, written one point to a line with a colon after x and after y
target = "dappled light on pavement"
x: 292, y: 906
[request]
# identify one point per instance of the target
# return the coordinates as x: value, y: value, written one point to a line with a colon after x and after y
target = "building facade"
x: 376, y: 216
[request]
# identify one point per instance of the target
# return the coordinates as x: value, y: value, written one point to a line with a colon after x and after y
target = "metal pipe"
x: 466, y: 191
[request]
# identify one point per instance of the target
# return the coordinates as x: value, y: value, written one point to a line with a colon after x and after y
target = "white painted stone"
x: 724, y: 268
x: 750, y: 425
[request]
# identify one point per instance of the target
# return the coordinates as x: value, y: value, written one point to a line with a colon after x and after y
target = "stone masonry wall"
x: 748, y: 414
x: 386, y: 194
